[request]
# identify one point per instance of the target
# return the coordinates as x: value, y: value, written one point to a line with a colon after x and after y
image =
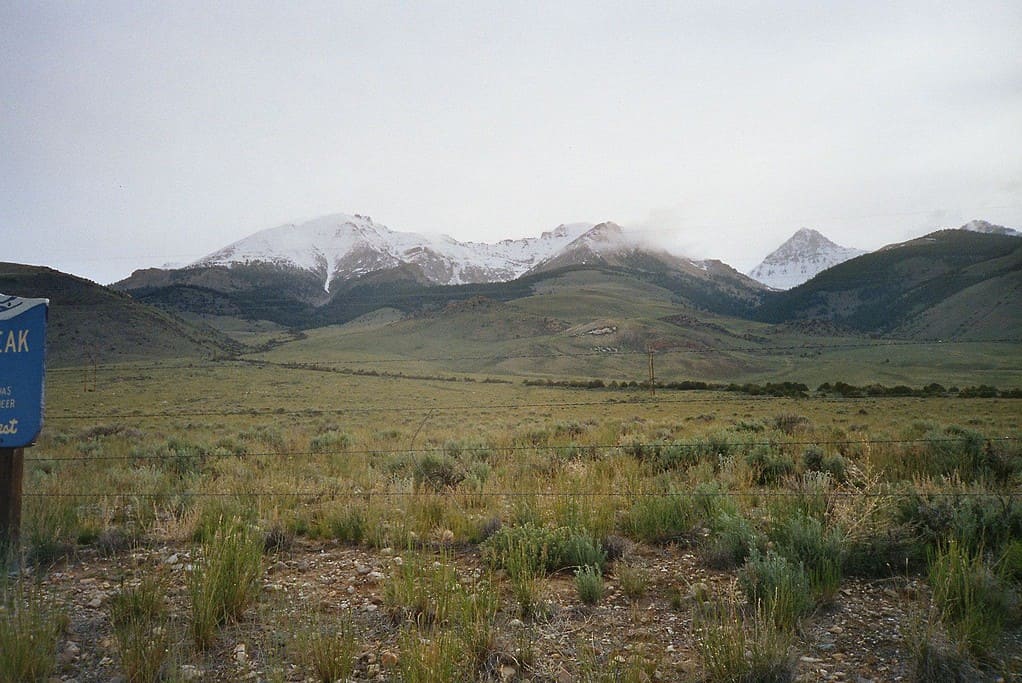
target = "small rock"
x: 173, y: 559
x: 96, y: 602
x: 388, y: 659
x: 240, y: 654
x: 507, y: 672
x: 371, y: 607
x: 190, y: 672
x: 362, y: 569
x: 69, y: 654
x: 700, y: 591
x: 374, y: 577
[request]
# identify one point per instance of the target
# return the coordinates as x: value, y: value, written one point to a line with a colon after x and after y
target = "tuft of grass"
x: 634, y: 581
x: 802, y: 539
x: 329, y: 650
x: 589, y: 584
x: 330, y: 441
x: 421, y: 593
x: 29, y: 629
x: 661, y: 519
x: 438, y: 472
x: 347, y: 523
x: 1009, y: 566
x: 732, y: 539
x: 737, y: 648
x: 781, y: 586
x: 973, y: 602
x: 933, y: 658
x: 526, y: 574
x: 226, y: 582
x: 437, y: 659
x: 769, y: 464
x: 545, y: 548
x: 141, y: 626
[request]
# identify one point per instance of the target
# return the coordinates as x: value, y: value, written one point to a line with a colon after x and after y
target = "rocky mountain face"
x: 805, y: 254
x: 343, y: 247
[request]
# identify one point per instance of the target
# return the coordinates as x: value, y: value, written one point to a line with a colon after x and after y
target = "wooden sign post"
x: 22, y: 368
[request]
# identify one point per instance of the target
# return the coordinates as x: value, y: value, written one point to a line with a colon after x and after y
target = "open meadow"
x: 227, y: 521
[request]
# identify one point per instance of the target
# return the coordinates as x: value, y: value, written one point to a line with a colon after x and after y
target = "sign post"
x: 22, y: 368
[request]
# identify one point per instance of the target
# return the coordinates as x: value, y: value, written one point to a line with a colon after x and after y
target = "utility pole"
x: 652, y: 375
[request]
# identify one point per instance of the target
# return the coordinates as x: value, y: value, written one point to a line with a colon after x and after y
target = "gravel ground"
x: 859, y: 638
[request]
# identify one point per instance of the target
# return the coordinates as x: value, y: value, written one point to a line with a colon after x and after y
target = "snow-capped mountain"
x: 341, y: 247
x: 990, y: 228
x: 799, y: 259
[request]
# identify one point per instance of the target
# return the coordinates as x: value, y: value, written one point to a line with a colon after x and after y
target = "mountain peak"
x: 800, y: 258
x: 977, y: 225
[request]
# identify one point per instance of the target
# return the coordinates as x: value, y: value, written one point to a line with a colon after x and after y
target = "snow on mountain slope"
x: 342, y: 246
x: 990, y: 228
x: 799, y: 259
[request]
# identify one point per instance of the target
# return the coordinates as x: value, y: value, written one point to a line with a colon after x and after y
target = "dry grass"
x: 385, y: 462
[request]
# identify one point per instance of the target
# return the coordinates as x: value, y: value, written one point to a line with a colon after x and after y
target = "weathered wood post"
x: 22, y: 368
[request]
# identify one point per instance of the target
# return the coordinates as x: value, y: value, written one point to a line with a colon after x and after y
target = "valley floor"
x: 233, y: 521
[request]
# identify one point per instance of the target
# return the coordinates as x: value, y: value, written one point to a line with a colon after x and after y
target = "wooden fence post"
x: 12, y: 467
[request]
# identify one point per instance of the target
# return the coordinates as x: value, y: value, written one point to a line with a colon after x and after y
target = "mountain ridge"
x: 340, y: 247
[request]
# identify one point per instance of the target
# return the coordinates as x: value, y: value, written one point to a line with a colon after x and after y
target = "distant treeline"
x: 379, y: 373
x: 932, y: 389
x: 791, y: 389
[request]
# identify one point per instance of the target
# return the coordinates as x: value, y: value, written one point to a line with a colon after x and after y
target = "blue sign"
x: 22, y: 367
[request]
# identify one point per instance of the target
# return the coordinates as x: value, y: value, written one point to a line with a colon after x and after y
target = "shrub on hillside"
x: 769, y: 465
x: 438, y: 472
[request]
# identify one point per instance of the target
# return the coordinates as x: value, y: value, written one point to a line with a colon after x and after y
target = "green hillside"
x: 91, y: 323
x: 594, y: 325
x: 953, y: 283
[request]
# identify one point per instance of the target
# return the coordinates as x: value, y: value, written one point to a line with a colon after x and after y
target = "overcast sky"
x: 135, y: 134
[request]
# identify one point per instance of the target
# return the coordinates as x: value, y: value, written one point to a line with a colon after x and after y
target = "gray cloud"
x: 141, y: 134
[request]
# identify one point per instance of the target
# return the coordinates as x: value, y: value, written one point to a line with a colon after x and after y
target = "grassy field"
x: 599, y: 326
x: 412, y: 529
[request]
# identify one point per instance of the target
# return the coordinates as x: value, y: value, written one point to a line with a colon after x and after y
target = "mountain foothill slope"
x: 89, y: 323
